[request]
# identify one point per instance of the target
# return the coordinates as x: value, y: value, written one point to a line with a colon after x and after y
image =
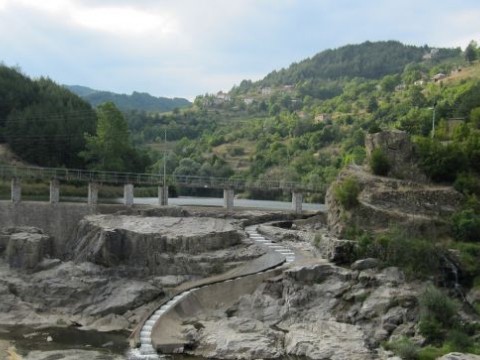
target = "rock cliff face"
x: 317, y: 310
x: 25, y: 247
x: 400, y: 153
x: 159, y: 245
x: 385, y: 202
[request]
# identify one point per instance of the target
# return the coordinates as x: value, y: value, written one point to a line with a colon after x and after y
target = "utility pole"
x: 433, y: 119
x: 165, y: 166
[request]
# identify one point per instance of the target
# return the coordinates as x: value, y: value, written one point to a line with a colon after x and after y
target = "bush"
x: 432, y: 330
x: 379, y: 163
x: 441, y: 162
x: 347, y: 192
x: 437, y: 306
x: 416, y: 256
x: 459, y: 340
x: 374, y: 128
x: 236, y: 151
x: 432, y: 353
x: 405, y: 349
x: 467, y: 184
x: 466, y: 225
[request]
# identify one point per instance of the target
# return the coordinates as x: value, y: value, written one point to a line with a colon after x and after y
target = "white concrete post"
x: 92, y: 194
x: 16, y: 190
x: 54, y: 191
x: 228, y: 196
x: 163, y: 195
x: 297, y: 199
x: 128, y: 194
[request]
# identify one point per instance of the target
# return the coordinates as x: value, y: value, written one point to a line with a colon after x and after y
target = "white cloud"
x: 124, y: 21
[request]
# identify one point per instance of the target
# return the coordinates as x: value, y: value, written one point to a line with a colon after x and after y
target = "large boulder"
x: 327, y: 340
x: 26, y: 247
x: 399, y: 151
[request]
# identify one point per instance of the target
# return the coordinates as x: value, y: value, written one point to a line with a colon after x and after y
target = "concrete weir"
x: 160, y: 331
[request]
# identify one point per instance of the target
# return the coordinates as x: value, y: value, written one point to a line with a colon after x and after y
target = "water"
x: 27, y: 339
x: 240, y: 203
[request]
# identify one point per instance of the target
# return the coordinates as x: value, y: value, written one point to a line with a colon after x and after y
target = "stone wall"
x: 384, y: 203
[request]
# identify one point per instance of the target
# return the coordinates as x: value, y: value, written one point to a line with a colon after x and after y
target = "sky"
x: 183, y: 48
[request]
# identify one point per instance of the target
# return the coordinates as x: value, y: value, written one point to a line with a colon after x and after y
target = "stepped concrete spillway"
x: 161, y: 331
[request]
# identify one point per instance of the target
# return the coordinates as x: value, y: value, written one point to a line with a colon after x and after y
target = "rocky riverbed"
x: 119, y: 267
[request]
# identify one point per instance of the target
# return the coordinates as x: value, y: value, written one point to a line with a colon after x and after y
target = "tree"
x: 471, y: 51
x: 46, y: 123
x: 111, y: 148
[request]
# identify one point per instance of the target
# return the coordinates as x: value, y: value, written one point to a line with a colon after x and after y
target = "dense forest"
x: 46, y: 124
x: 135, y: 101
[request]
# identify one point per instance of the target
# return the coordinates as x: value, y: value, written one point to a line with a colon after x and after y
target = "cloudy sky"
x: 190, y: 47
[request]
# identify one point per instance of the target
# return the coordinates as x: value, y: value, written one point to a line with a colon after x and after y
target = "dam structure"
x: 147, y: 349
x: 129, y: 180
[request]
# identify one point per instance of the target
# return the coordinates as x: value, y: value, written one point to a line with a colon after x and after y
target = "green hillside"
x: 305, y: 122
x: 135, y: 101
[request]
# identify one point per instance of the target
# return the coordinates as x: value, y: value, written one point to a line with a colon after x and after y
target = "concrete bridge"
x: 129, y: 180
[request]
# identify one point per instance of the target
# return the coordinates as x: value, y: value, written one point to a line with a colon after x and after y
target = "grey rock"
x: 316, y: 273
x: 327, y: 340
x: 158, y: 245
x: 25, y: 250
x: 400, y: 152
x: 459, y: 356
x: 235, y: 338
x: 364, y: 264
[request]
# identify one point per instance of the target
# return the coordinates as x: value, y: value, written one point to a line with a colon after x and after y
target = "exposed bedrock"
x: 160, y: 245
x: 25, y: 247
x: 316, y: 310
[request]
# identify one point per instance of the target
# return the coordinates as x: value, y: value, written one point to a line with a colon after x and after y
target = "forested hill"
x: 135, y: 101
x: 369, y: 60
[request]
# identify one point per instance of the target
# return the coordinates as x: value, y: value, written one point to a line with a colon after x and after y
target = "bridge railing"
x: 112, y: 177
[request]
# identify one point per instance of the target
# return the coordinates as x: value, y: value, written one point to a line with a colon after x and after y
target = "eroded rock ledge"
x: 159, y: 245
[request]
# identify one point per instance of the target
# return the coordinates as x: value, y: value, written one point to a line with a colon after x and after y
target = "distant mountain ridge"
x: 368, y: 60
x: 135, y: 101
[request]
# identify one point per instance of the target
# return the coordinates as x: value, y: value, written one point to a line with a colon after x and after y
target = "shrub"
x: 236, y: 151
x: 432, y: 330
x: 441, y: 162
x: 418, y: 257
x: 432, y: 353
x: 435, y: 305
x: 466, y: 225
x: 459, y: 340
x: 467, y: 184
x: 405, y: 349
x: 379, y: 163
x: 374, y: 128
x: 346, y: 192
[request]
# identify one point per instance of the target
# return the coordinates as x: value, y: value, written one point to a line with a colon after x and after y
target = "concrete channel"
x: 160, y: 330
